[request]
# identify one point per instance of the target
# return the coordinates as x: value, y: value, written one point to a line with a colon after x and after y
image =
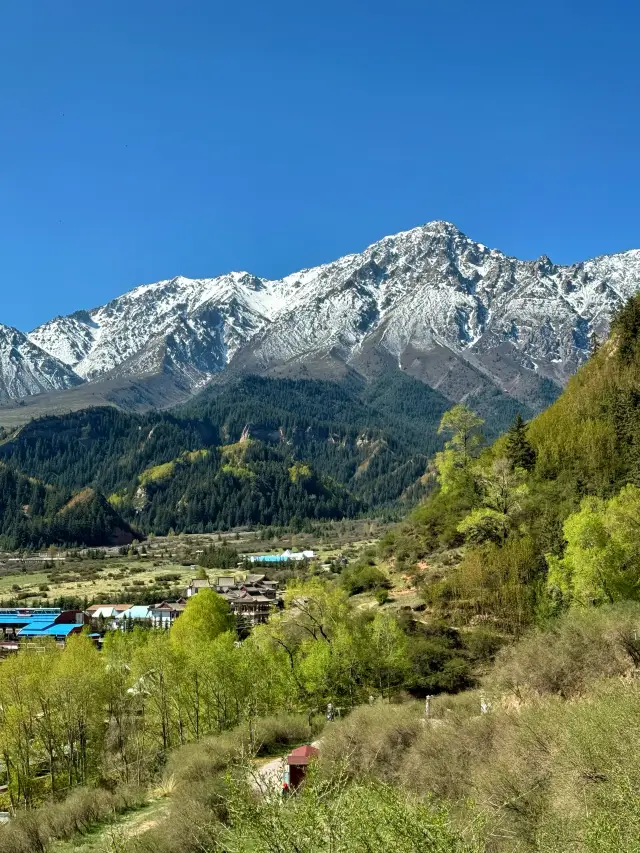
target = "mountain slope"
x: 33, y: 515
x: 461, y: 317
x: 26, y: 368
x: 362, y: 445
x: 547, y: 517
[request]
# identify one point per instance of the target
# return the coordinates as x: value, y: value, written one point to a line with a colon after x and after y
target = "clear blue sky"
x: 141, y: 139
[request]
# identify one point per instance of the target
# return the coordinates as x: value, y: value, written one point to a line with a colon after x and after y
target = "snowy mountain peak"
x: 429, y: 300
x: 26, y: 369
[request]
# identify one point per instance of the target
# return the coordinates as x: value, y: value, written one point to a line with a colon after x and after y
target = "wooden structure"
x: 298, y: 761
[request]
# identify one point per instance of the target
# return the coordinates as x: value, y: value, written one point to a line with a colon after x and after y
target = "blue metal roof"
x: 270, y: 558
x: 62, y: 630
x: 49, y: 630
x: 33, y: 630
x: 29, y: 611
x: 17, y: 620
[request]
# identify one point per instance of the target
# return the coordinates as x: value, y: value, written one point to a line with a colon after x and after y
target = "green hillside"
x: 33, y: 515
x: 546, y: 518
x: 365, y: 446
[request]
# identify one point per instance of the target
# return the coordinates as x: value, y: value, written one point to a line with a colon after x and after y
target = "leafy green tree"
x: 463, y: 426
x: 453, y: 464
x: 484, y: 525
x: 206, y: 616
x: 601, y: 562
x: 389, y: 652
x: 503, y: 489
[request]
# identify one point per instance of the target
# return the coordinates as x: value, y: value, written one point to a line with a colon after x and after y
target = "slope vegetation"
x: 545, y: 519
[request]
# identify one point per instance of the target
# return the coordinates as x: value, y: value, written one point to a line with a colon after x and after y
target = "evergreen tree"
x: 519, y: 450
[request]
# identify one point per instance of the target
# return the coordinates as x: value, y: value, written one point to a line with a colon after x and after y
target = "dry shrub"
x: 271, y: 735
x: 205, y: 759
x: 439, y: 761
x: 581, y: 647
x: 371, y: 740
x: 456, y: 706
x: 594, y: 789
x: 33, y: 830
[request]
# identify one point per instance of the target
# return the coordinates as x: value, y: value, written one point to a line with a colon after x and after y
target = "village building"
x: 21, y: 625
x: 164, y: 614
x: 106, y: 612
x: 196, y: 585
x: 138, y: 613
x: 251, y: 601
x: 286, y: 557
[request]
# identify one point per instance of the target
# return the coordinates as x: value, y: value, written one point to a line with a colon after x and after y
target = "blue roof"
x: 138, y: 611
x: 28, y: 619
x: 33, y: 630
x: 17, y: 620
x: 270, y: 558
x: 49, y: 630
x: 29, y: 611
x: 62, y: 630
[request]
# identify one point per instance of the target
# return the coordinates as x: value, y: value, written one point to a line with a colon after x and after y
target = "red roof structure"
x: 302, y: 755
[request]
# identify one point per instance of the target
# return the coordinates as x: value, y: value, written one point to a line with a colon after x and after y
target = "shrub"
x: 382, y: 595
x: 581, y: 647
x: 33, y: 830
x: 272, y: 734
x: 360, y: 578
x: 440, y: 759
x: 371, y: 740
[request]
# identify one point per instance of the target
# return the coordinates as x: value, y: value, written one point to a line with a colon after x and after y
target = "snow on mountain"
x: 26, y: 369
x: 429, y: 300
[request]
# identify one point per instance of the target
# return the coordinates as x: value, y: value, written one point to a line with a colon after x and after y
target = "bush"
x: 382, y: 595
x: 361, y: 578
x: 581, y: 647
x: 34, y: 830
x: 442, y: 757
x: 272, y: 734
x: 371, y: 740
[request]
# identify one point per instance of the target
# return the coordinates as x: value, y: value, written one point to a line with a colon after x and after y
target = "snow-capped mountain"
x: 430, y: 301
x: 26, y: 369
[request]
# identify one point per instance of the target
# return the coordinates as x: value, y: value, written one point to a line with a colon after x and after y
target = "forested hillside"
x: 33, y: 515
x: 547, y: 517
x: 259, y: 451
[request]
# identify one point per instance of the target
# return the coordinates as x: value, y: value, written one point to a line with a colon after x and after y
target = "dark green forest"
x: 257, y: 451
x: 316, y: 450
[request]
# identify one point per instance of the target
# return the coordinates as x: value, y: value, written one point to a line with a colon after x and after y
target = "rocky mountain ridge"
x: 430, y: 301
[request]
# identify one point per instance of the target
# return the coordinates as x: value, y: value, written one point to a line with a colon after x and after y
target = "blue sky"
x: 141, y: 140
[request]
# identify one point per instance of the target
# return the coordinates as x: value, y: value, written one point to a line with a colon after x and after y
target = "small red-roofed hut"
x: 298, y: 761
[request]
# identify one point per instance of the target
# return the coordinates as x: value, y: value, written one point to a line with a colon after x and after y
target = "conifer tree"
x: 519, y: 450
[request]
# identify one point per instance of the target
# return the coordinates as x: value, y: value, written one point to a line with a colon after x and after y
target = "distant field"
x: 163, y: 565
